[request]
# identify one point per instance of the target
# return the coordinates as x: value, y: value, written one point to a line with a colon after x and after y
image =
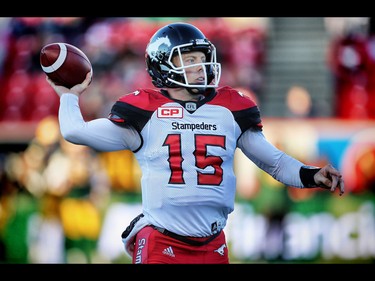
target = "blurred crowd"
x: 115, y: 47
x: 351, y: 58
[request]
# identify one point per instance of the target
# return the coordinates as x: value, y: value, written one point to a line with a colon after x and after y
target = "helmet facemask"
x: 212, y: 70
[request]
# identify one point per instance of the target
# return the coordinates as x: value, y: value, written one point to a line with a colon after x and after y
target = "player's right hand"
x: 76, y: 90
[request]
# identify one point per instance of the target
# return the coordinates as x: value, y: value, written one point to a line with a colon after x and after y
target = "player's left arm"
x: 326, y: 177
x: 285, y: 168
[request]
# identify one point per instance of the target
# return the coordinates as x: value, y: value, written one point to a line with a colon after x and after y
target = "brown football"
x: 64, y: 64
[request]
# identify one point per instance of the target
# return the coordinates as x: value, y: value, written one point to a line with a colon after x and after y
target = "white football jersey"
x: 186, y: 155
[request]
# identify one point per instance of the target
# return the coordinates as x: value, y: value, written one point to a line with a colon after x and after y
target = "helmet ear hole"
x: 172, y: 40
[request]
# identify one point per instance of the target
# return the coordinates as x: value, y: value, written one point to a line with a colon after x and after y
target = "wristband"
x: 307, y: 174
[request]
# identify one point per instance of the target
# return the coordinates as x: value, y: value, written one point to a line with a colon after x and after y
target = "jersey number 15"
x: 202, y: 160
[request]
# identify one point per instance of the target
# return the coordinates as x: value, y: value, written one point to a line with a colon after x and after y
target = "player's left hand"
x: 330, y: 178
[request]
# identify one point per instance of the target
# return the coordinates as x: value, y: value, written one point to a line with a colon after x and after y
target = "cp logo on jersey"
x: 170, y: 112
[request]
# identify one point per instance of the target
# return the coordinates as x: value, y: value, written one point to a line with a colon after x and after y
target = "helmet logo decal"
x: 153, y: 48
x: 200, y: 41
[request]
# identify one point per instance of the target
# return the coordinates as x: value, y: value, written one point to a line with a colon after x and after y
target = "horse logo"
x: 220, y: 250
x: 153, y: 48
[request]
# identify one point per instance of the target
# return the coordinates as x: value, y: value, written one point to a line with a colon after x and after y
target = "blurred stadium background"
x: 314, y: 81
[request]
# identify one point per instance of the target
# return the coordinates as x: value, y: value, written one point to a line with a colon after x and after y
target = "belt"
x: 186, y: 239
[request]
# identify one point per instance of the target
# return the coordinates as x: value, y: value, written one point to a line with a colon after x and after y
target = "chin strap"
x: 198, y: 91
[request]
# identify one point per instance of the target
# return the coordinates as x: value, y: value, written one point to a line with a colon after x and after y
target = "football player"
x: 184, y: 134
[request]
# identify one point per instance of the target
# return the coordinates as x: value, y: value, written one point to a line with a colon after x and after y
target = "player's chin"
x: 198, y: 91
x: 197, y: 88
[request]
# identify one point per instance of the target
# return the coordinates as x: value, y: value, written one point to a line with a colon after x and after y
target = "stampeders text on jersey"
x: 189, y: 126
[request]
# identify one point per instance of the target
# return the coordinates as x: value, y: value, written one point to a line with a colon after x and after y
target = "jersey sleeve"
x: 244, y: 109
x: 99, y: 134
x: 281, y: 166
x: 134, y: 109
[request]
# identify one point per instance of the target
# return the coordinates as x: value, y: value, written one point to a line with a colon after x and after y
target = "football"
x: 64, y: 64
